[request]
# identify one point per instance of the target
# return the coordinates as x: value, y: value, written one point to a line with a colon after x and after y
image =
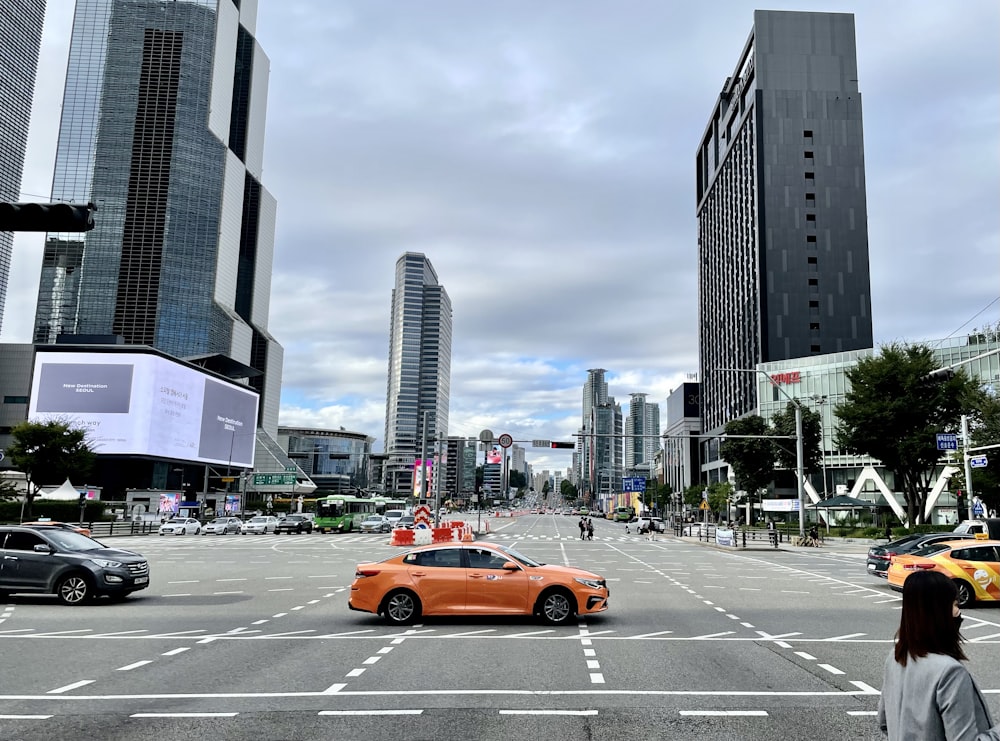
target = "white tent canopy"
x: 65, y: 493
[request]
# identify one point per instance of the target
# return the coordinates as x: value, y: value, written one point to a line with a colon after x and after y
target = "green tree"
x: 893, y: 412
x: 49, y: 453
x: 783, y: 423
x: 692, y: 495
x: 719, y: 495
x: 751, y: 458
x: 568, y: 490
x: 546, y: 488
x: 516, y: 479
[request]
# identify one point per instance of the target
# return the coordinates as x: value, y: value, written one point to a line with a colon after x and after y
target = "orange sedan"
x: 474, y: 579
x: 974, y: 566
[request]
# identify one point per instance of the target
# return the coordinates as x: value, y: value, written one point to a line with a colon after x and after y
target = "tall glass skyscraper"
x: 163, y: 129
x: 642, y: 433
x: 419, y: 383
x: 782, y: 215
x: 21, y: 24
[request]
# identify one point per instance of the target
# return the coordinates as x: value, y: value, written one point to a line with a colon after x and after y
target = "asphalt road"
x: 250, y: 637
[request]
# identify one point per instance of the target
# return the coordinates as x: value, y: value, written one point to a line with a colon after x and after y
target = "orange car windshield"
x: 930, y: 550
x: 520, y: 557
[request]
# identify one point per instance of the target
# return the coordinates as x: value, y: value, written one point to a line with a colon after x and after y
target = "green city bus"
x: 383, y: 504
x: 342, y: 512
x: 624, y: 514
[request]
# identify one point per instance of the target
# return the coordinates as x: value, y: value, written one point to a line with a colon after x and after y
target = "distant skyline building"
x: 601, y: 456
x: 162, y: 128
x: 21, y: 23
x: 781, y: 208
x: 419, y: 378
x: 642, y: 433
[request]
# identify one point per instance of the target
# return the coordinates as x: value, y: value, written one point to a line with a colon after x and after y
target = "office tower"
x: 642, y: 434
x: 416, y: 405
x: 601, y: 461
x: 782, y: 219
x: 163, y: 128
x: 21, y: 24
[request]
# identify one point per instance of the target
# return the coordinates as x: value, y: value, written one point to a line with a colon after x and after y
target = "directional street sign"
x: 273, y: 479
x: 947, y: 441
x: 978, y: 461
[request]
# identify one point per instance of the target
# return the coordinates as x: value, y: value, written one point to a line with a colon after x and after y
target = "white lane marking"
x: 371, y: 660
x: 371, y: 712
x: 280, y: 614
x: 747, y: 625
x: 216, y: 594
x: 178, y: 633
x: 984, y: 638
x: 69, y: 687
x: 179, y: 594
x: 266, y: 578
x: 175, y: 651
x: 259, y: 622
x: 386, y: 649
x: 334, y: 688
x: 782, y: 644
x: 184, y: 581
x: 593, y: 664
x: 298, y: 607
x: 118, y: 633
x: 596, y: 678
x: 136, y: 665
x: 61, y: 633
x: 548, y: 712
x: 239, y: 579
x: 183, y: 715
x: 868, y: 689
x: 312, y: 602
x: 845, y: 637
x: 355, y: 673
x: 283, y: 589
x: 531, y: 633
x: 831, y: 669
x: 712, y: 635
x: 862, y: 712
x: 726, y: 713
x: 25, y: 717
x: 589, y: 652
x: 804, y: 655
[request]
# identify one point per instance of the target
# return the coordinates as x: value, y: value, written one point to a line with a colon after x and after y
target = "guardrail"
x: 106, y: 529
x: 706, y: 532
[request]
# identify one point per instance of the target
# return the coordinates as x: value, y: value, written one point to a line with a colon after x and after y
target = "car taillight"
x: 361, y: 573
x: 915, y: 566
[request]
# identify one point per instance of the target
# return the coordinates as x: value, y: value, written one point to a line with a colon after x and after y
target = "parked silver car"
x: 223, y: 526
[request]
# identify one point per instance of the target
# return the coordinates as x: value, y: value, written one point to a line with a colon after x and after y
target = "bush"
x: 59, y: 511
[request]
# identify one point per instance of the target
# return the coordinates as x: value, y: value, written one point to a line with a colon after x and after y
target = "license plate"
x: 141, y: 580
x: 871, y: 567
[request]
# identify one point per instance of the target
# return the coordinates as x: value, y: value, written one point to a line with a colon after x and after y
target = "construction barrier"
x: 423, y: 536
x: 401, y: 536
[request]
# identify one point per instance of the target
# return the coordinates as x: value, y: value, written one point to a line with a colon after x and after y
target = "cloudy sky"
x: 541, y: 154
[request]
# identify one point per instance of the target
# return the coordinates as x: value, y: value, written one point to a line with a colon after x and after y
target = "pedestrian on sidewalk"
x: 590, y: 529
x: 927, y: 693
x: 582, y: 524
x: 888, y: 531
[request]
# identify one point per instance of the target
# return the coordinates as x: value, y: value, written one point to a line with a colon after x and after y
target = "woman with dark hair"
x: 927, y: 693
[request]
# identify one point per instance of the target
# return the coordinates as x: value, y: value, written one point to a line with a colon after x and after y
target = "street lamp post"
x: 820, y: 401
x: 799, y: 448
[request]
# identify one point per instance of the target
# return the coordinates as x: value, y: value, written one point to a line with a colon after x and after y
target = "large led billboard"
x: 145, y: 404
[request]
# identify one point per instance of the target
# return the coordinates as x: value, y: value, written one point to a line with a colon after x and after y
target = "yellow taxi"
x: 974, y: 566
x: 473, y: 578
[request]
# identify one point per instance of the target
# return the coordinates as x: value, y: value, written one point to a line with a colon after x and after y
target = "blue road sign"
x: 978, y: 510
x: 978, y: 461
x: 634, y: 484
x: 947, y: 441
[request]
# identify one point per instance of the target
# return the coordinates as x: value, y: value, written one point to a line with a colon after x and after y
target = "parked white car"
x: 223, y: 526
x: 645, y: 523
x: 260, y: 525
x: 180, y: 526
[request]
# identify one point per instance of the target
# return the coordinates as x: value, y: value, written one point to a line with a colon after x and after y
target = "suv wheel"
x: 73, y: 589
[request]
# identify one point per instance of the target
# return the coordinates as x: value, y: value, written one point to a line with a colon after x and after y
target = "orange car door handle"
x: 475, y: 576
x: 419, y: 573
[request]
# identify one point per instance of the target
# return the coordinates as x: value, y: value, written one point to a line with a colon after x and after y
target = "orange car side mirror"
x: 511, y: 566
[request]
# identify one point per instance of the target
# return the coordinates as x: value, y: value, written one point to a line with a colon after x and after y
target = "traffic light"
x: 46, y: 217
x: 83, y: 498
x: 563, y: 445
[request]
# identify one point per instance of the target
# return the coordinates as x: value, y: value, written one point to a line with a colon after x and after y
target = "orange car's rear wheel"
x: 966, y: 594
x: 401, y: 607
x: 556, y: 606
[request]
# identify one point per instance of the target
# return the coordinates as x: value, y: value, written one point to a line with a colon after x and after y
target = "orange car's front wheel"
x: 556, y: 606
x: 401, y: 607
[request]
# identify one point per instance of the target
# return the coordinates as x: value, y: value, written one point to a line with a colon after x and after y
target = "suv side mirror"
x: 42, y: 548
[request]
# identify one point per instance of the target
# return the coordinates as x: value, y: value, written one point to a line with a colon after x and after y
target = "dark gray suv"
x: 74, y: 567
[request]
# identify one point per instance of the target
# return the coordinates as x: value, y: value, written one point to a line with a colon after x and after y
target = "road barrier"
x: 401, y: 536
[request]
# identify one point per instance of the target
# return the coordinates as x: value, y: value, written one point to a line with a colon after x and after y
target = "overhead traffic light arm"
x: 47, y: 217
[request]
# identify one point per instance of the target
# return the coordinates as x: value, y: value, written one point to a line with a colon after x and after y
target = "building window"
x: 814, y: 304
x: 810, y: 217
x: 15, y: 400
x: 814, y: 348
x: 814, y: 326
x: 813, y: 262
x: 809, y: 154
x: 814, y: 282
x: 811, y: 176
x: 810, y: 199
x: 811, y: 239
x: 807, y: 134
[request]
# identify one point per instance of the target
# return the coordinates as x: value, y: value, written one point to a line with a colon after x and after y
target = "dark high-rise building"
x: 419, y: 381
x: 21, y: 24
x: 782, y: 218
x: 163, y: 129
